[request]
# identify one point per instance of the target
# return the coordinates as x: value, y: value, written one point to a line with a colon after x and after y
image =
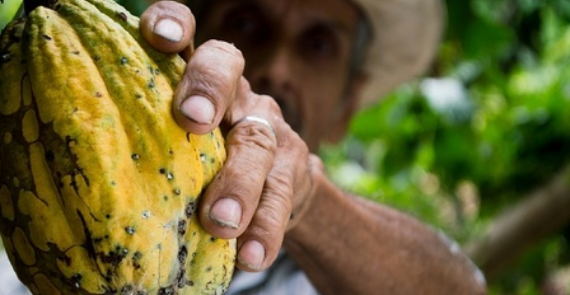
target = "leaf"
x: 8, y: 11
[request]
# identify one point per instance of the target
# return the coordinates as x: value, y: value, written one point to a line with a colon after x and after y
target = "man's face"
x: 297, y: 51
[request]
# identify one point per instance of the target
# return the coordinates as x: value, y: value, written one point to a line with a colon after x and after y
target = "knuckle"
x: 268, y: 103
x: 291, y: 143
x: 280, y: 186
x: 252, y: 135
x: 224, y: 53
x: 244, y: 186
x: 215, y: 69
x: 269, y: 225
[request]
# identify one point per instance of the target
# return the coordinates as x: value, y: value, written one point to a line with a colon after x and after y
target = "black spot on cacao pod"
x: 190, y: 209
x: 177, y: 191
x: 127, y: 290
x: 135, y: 157
x: 166, y: 291
x: 123, y: 16
x: 60, y: 255
x: 108, y: 290
x: 46, y: 37
x: 50, y: 156
x: 182, y: 227
x: 135, y: 260
x: 76, y: 280
x: 169, y: 176
x: 108, y: 278
x: 182, y: 280
x: 182, y: 254
x: 88, y: 245
x: 130, y: 230
x: 115, y: 257
x: 146, y: 214
x: 124, y: 60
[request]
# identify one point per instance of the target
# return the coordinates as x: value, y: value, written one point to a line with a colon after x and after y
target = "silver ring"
x: 260, y: 120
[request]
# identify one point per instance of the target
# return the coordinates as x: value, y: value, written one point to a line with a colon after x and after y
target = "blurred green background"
x: 483, y: 137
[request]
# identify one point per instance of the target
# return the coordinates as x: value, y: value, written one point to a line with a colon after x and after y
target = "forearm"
x: 348, y: 245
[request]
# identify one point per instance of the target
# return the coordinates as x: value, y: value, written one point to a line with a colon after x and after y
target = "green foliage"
x: 8, y: 10
x: 136, y: 7
x: 497, y: 126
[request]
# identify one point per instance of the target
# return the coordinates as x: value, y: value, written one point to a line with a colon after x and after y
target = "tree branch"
x: 543, y: 212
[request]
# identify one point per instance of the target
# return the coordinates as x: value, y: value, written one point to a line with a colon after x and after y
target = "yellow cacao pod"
x: 98, y: 184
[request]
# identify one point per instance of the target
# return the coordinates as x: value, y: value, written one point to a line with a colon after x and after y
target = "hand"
x: 267, y: 178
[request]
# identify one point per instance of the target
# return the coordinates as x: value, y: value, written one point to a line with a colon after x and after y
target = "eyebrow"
x: 337, y: 27
x: 315, y: 17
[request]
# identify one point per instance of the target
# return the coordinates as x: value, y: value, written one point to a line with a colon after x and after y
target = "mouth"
x: 290, y: 113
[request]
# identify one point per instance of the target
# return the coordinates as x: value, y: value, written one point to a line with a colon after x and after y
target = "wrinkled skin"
x: 273, y: 191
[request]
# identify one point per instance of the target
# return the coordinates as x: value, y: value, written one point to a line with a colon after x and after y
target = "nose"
x: 272, y: 71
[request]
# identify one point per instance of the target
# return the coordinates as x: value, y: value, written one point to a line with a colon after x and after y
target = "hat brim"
x: 406, y: 37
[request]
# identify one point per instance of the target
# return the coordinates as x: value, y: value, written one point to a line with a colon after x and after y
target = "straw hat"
x: 406, y: 35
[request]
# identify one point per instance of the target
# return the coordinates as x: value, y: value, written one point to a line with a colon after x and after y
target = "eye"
x: 243, y: 22
x: 320, y: 42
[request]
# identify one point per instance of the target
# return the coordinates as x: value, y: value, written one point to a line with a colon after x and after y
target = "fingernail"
x: 226, y: 212
x: 252, y: 254
x: 198, y: 109
x: 169, y: 30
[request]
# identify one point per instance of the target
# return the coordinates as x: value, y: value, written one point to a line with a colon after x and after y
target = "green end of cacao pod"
x: 98, y: 184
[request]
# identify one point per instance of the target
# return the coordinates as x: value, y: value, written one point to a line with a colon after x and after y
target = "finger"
x: 168, y: 26
x: 259, y: 245
x: 209, y: 86
x: 315, y: 169
x: 287, y: 181
x: 231, y: 199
